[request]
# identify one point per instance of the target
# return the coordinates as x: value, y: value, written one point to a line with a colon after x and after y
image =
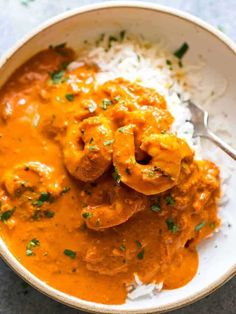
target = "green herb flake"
x: 117, y: 98
x: 57, y: 76
x: 122, y: 35
x: 170, y: 200
x: 122, y: 247
x: 93, y: 148
x: 108, y: 142
x: 140, y: 255
x: 106, y: 103
x: 200, y: 226
x: 31, y: 245
x: 116, y: 176
x: 122, y: 129
x: 155, y: 207
x: 64, y: 65
x: 7, y: 214
x: 70, y: 253
x: 180, y: 64
x: 100, y: 39
x: 45, y: 197
x: 87, y: 215
x: 49, y: 213
x: 37, y: 203
x: 138, y: 243
x: 128, y: 171
x: 60, y: 49
x: 212, y: 225
x: 69, y: 97
x: 179, y: 53
x: 65, y: 190
x: 111, y: 39
x: 168, y: 62
x: 29, y: 252
x: 171, y: 225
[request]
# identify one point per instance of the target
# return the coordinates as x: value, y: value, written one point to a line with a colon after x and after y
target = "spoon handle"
x: 225, y: 147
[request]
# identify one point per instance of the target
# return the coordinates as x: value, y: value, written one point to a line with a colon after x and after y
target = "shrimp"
x: 88, y: 148
x: 162, y: 171
x: 111, y: 205
x: 31, y: 176
x: 147, y: 121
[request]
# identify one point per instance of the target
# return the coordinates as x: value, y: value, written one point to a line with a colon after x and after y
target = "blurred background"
x: 17, y: 18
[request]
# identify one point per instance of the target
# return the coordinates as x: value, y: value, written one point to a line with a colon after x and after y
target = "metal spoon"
x: 200, y: 122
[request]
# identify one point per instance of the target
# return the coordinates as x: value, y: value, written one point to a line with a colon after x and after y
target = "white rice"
x: 140, y: 61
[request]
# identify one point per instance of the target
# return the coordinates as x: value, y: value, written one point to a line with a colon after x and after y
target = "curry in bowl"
x: 97, y: 189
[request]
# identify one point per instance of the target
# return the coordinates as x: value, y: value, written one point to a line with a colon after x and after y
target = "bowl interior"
x: 217, y: 258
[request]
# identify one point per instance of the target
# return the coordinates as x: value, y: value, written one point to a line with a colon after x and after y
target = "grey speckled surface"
x: 16, y: 19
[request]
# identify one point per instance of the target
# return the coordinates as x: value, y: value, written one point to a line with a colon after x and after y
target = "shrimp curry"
x: 95, y: 187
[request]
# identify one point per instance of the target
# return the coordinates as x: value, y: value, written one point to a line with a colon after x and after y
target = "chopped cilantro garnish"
x: 69, y: 97
x: 60, y: 49
x: 122, y: 129
x: 57, y: 76
x: 138, y: 243
x: 92, y: 147
x: 64, y: 65
x: 108, y: 142
x: 122, y: 247
x: 170, y: 200
x: 45, y: 197
x: 30, y: 245
x: 7, y: 214
x: 70, y: 253
x: 65, y: 190
x: 156, y: 207
x: 140, y: 255
x: 110, y: 40
x: 128, y: 171
x: 49, y: 213
x: 212, y: 225
x: 100, y: 39
x: 171, y: 225
x: 122, y: 35
x: 168, y: 62
x: 200, y: 226
x: 87, y: 215
x: 179, y: 53
x: 117, y: 98
x: 106, y: 103
x: 116, y: 176
x: 37, y: 203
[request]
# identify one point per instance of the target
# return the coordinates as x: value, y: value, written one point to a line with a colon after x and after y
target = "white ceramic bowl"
x: 218, y: 254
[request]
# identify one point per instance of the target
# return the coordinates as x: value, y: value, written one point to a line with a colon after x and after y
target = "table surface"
x: 17, y: 17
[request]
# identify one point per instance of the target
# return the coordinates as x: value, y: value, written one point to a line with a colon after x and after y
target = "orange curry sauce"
x: 70, y: 217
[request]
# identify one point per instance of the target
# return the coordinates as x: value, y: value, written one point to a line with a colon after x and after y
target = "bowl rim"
x: 5, y: 253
